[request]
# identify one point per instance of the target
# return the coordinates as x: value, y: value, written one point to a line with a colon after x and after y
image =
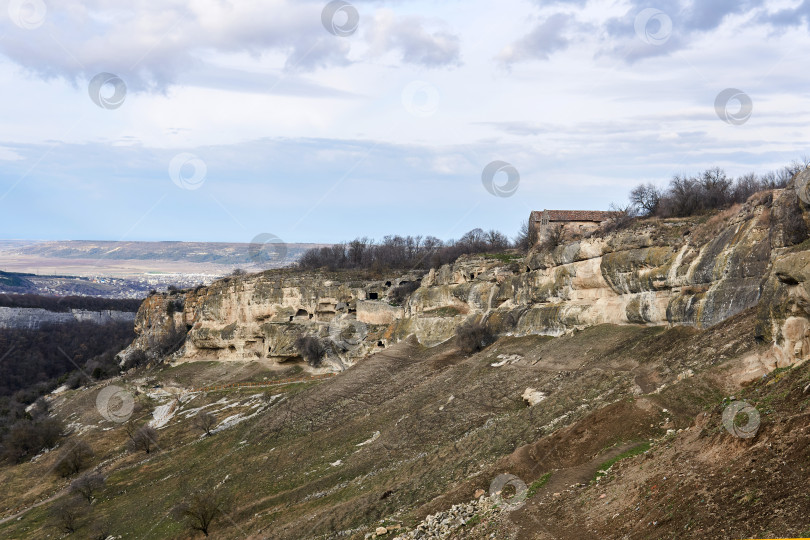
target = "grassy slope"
x: 447, y: 426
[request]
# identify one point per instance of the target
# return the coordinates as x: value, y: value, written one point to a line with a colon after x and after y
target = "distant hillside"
x: 195, y: 252
x: 131, y: 269
x: 13, y: 280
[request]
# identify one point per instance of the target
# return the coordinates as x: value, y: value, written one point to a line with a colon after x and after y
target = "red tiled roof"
x: 572, y: 215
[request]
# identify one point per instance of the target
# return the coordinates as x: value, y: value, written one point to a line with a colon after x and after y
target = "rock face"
x: 33, y: 318
x: 784, y: 315
x: 695, y: 271
x: 260, y: 316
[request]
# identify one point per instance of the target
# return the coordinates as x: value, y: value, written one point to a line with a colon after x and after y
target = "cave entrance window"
x: 372, y: 296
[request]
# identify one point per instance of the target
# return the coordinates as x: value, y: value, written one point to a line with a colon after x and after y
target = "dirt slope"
x: 403, y: 434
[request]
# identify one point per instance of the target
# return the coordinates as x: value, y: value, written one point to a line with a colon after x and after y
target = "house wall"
x: 571, y: 229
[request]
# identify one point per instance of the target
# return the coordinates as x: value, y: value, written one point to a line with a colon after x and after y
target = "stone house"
x: 567, y: 223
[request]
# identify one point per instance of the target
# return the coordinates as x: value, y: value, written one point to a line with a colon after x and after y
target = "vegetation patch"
x: 602, y: 470
x: 504, y: 257
x: 446, y: 311
x: 537, y: 484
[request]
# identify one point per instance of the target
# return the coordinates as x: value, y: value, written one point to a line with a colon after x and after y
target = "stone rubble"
x: 443, y: 524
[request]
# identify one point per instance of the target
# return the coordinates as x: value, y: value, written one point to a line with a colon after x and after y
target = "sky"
x: 314, y: 121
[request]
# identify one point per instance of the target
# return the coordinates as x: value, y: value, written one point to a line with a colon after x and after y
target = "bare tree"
x: 526, y: 236
x: 144, y: 438
x: 74, y: 458
x: 401, y: 252
x: 646, y: 197
x: 716, y: 188
x: 202, y: 508
x: 87, y: 485
x: 205, y: 421
x: 67, y: 513
x: 745, y: 186
x: 709, y: 190
x: 496, y: 240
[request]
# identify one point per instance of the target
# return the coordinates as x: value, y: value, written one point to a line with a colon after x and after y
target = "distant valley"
x: 130, y: 269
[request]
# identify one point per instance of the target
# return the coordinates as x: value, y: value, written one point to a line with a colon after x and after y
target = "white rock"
x: 533, y: 397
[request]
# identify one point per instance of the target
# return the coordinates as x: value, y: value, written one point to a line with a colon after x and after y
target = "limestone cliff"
x: 33, y: 318
x: 691, y: 271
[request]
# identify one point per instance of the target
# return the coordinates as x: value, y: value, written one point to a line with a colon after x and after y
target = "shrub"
x: 202, y: 508
x: 402, y: 292
x: 136, y: 358
x: 27, y: 438
x: 77, y: 379
x: 67, y: 514
x: 311, y: 349
x: 205, y: 421
x: 87, y: 485
x: 708, y: 190
x: 175, y: 305
x: 144, y: 438
x: 99, y: 530
x: 621, y: 218
x: 473, y: 337
x: 73, y: 459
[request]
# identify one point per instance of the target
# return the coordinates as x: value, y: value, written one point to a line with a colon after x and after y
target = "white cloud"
x: 546, y: 38
x: 9, y: 154
x: 408, y: 37
x: 282, y: 111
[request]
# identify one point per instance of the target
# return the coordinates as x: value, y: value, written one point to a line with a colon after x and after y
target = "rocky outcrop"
x: 697, y: 271
x: 33, y: 318
x: 259, y: 317
x: 784, y: 315
x: 680, y: 271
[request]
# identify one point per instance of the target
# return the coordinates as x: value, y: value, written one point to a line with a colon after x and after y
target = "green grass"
x: 537, y: 484
x: 636, y: 450
x: 447, y: 311
x: 473, y: 521
x: 503, y: 257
